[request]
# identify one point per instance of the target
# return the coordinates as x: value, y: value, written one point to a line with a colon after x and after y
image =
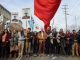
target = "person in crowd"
x: 79, y: 41
x: 14, y: 44
x: 68, y: 43
x: 35, y: 44
x: 58, y: 43
x: 42, y: 36
x: 47, y: 42
x: 24, y: 53
x: 9, y: 33
x: 62, y: 41
x: 20, y: 42
x: 0, y: 43
x: 29, y: 41
x: 5, y: 44
x: 54, y: 43
x: 75, y: 43
x: 14, y: 51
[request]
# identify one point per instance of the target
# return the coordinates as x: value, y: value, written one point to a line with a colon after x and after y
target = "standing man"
x: 75, y: 43
x: 62, y: 41
x: 47, y: 42
x: 54, y: 43
x: 68, y: 43
x: 79, y: 41
x: 42, y: 36
x: 35, y: 44
x: 29, y: 41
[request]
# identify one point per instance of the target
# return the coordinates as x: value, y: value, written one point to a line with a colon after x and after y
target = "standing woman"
x: 14, y: 43
x: 20, y: 43
x: 5, y: 44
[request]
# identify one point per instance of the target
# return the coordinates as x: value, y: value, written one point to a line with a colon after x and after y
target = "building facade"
x: 5, y: 16
x: 16, y: 24
x: 5, y: 13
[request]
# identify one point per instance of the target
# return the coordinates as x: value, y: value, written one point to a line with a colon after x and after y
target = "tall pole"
x: 65, y: 12
x: 52, y: 23
x: 75, y: 23
x: 33, y: 25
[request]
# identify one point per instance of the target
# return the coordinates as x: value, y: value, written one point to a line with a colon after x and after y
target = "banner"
x: 26, y: 13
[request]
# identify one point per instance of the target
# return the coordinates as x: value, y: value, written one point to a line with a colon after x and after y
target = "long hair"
x: 22, y: 33
x: 5, y: 32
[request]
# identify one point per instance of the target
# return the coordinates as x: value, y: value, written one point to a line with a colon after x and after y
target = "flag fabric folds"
x: 45, y: 10
x: 37, y: 27
x: 31, y: 24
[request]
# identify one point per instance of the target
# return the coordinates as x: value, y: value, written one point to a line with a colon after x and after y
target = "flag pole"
x: 52, y: 23
x: 32, y: 23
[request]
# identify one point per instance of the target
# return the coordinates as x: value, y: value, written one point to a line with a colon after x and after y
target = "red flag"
x: 45, y: 10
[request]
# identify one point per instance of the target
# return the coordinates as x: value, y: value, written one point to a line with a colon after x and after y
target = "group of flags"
x: 33, y: 25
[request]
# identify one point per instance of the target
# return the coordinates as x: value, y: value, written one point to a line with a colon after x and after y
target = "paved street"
x: 48, y: 58
x: 54, y: 58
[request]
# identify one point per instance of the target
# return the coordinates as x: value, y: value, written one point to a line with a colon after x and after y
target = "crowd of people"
x: 50, y: 42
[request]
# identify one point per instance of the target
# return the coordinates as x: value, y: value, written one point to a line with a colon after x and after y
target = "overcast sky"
x: 59, y: 20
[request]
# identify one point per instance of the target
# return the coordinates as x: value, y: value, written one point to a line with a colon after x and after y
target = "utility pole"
x: 75, y: 23
x: 66, y: 13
